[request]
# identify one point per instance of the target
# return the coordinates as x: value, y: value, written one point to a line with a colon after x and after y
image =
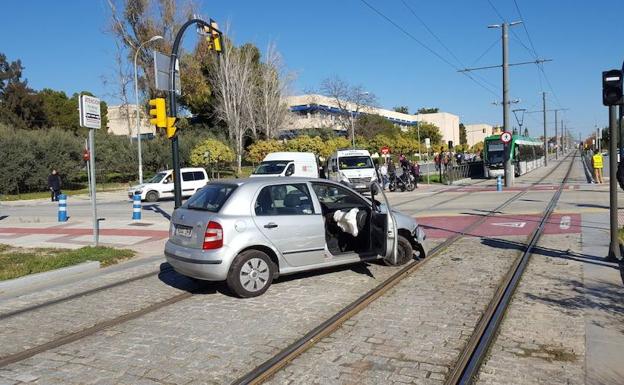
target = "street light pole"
x: 136, y: 96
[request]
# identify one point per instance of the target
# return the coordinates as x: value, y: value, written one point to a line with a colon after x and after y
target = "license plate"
x: 360, y: 186
x: 183, y: 232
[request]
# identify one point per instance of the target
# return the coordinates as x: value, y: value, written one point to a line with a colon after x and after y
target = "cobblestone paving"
x: 33, y: 328
x: 414, y: 333
x: 210, y: 338
x: 542, y: 338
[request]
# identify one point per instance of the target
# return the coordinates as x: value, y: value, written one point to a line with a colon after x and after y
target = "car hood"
x: 137, y: 187
x: 404, y: 221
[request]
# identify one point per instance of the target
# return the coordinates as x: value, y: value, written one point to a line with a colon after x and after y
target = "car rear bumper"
x: 196, y: 263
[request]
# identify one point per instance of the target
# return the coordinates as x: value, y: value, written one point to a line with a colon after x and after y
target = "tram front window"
x: 496, y: 152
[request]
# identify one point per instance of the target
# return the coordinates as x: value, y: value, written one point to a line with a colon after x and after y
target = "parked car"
x: 161, y: 185
x: 288, y: 164
x: 354, y: 168
x: 250, y: 231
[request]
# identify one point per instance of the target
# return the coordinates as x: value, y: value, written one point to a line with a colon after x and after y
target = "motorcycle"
x: 404, y: 181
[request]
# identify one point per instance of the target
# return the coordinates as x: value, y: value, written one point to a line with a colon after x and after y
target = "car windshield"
x: 271, y: 167
x: 157, y: 178
x: 350, y: 162
x: 210, y: 198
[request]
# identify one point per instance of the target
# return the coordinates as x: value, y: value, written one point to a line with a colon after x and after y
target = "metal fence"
x: 456, y: 172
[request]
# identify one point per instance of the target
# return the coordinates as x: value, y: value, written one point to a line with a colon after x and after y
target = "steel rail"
x: 477, y: 347
x: 271, y: 366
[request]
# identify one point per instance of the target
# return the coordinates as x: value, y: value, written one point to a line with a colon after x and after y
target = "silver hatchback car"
x: 249, y: 231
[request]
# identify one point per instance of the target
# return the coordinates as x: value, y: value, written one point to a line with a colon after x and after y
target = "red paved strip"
x: 83, y: 231
x: 500, y: 225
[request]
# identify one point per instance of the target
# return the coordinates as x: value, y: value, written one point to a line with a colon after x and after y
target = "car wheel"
x: 251, y: 274
x: 404, y: 252
x: 151, y: 196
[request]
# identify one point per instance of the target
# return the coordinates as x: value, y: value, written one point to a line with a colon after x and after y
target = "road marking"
x: 510, y: 224
x: 564, y: 224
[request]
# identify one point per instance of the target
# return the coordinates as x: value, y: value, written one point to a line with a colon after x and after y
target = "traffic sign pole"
x: 90, y: 117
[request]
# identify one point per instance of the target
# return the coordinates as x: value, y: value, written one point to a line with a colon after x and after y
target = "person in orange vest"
x: 597, y: 164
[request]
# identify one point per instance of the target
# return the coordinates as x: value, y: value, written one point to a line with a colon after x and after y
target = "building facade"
x: 318, y: 111
x: 476, y: 133
x: 122, y: 121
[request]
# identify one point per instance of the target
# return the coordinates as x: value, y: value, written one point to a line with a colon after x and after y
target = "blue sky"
x: 64, y: 46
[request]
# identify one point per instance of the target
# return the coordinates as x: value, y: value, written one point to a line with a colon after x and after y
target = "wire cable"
x: 426, y: 47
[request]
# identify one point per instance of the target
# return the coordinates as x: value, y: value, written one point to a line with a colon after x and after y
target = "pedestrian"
x: 384, y: 175
x: 54, y: 184
x: 597, y: 165
x: 416, y: 172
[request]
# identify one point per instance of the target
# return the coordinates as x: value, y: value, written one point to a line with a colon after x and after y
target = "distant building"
x: 476, y: 133
x: 122, y: 121
x: 318, y: 111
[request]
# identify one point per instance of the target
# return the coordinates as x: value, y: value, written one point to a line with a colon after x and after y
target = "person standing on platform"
x: 597, y: 164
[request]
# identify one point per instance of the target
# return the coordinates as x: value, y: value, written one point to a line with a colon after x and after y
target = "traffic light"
x: 171, y: 128
x: 158, y: 113
x: 612, y: 88
x: 214, y: 37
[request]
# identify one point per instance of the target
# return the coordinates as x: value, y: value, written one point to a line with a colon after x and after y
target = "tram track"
x: 311, y: 336
x: 270, y: 367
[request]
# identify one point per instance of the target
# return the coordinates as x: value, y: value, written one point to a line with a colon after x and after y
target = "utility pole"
x: 556, y: 138
x: 614, y: 246
x: 545, y: 137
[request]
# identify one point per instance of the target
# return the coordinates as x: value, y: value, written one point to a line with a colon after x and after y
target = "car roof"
x: 268, y: 180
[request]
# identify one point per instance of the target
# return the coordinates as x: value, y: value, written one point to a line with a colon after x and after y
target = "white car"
x: 161, y: 185
x: 354, y: 168
x: 301, y: 164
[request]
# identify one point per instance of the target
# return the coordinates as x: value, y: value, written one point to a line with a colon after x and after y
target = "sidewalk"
x: 604, y: 310
x: 144, y: 237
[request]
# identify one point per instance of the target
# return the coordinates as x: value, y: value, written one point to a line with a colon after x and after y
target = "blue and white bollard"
x: 499, y: 183
x: 62, y: 208
x: 136, y: 207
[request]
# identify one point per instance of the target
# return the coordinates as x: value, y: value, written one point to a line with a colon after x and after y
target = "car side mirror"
x: 165, y: 181
x: 290, y: 170
x: 334, y: 168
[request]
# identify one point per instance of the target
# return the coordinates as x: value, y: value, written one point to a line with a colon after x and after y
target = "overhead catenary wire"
x: 426, y: 47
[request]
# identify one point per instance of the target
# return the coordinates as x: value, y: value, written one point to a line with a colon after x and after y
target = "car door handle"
x: 270, y: 225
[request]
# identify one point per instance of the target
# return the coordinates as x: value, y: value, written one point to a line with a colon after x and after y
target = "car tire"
x: 251, y: 274
x: 151, y: 196
x: 405, y: 253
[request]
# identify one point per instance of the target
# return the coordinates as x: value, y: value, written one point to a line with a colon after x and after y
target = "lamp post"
x: 136, y: 95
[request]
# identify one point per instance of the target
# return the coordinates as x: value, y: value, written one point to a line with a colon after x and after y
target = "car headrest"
x: 293, y: 199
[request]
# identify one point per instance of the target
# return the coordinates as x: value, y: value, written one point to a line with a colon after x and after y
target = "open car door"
x: 384, y: 233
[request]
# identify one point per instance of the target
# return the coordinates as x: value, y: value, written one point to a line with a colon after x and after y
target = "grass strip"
x: 18, y: 262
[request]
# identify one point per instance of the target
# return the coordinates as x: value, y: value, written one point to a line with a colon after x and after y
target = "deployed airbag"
x: 347, y: 221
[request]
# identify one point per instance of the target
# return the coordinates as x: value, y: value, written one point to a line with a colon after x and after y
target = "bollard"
x: 499, y: 183
x: 136, y: 207
x: 62, y: 208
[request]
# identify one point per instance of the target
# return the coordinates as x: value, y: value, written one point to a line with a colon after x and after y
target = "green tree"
x: 219, y: 152
x: 427, y: 130
x: 334, y: 144
x: 260, y: 148
x: 401, y: 109
x: 305, y: 144
x: 427, y: 110
x: 462, y: 134
x: 369, y: 125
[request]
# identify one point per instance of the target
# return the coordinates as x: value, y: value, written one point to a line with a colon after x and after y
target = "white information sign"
x: 427, y: 143
x: 90, y: 116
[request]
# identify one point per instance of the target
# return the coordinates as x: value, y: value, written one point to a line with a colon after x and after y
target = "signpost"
x: 91, y: 118
x: 506, y: 139
x: 385, y: 150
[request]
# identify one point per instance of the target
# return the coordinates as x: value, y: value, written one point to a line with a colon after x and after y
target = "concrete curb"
x: 38, y: 279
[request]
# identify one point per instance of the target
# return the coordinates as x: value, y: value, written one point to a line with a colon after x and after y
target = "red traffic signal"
x: 85, y: 155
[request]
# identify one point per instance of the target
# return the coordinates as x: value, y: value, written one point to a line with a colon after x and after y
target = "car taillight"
x: 213, y: 238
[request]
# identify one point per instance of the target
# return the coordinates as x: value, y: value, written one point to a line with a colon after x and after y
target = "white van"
x: 161, y: 184
x: 355, y: 168
x: 288, y: 164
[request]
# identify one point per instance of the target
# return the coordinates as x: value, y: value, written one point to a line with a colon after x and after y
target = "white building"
x: 122, y: 121
x: 476, y: 133
x: 318, y: 111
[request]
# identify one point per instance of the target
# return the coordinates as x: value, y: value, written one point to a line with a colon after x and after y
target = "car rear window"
x: 210, y: 198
